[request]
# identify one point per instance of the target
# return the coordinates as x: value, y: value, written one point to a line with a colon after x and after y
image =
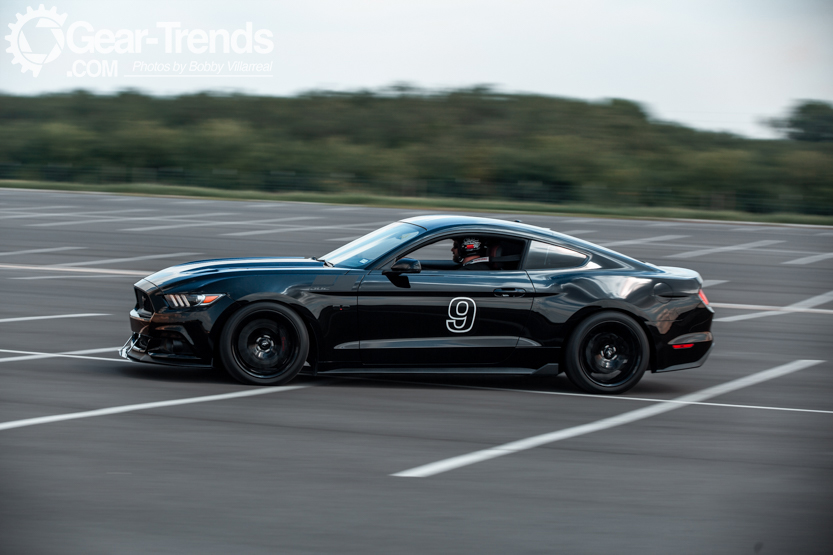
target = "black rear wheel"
x: 607, y: 353
x: 264, y: 344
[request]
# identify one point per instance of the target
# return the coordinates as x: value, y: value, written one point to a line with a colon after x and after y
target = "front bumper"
x: 144, y: 348
x: 166, y: 342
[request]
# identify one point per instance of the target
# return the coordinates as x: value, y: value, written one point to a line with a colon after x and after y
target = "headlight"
x: 185, y: 300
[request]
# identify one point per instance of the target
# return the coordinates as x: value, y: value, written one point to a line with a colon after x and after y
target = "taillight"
x: 703, y: 297
x: 684, y: 346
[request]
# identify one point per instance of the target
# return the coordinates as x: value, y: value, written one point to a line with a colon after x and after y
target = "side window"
x: 542, y: 256
x: 501, y: 253
x: 441, y: 250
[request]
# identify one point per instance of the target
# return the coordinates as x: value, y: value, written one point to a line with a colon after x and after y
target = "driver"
x: 469, y: 252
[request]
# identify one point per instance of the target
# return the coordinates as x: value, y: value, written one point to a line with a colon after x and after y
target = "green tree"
x: 812, y: 120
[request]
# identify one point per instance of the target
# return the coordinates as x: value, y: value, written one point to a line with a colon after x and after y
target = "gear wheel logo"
x: 48, y: 46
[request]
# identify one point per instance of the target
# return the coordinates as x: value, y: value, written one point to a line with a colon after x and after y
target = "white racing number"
x: 461, y: 311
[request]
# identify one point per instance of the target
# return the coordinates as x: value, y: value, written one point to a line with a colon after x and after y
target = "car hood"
x: 230, y: 265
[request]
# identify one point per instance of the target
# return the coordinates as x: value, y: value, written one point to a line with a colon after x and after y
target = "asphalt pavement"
x: 733, y: 457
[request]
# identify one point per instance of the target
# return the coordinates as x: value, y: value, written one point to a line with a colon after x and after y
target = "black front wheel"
x: 606, y: 353
x: 264, y: 344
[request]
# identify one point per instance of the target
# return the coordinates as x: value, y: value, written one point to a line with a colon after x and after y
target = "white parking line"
x: 140, y: 273
x: 52, y: 317
x: 713, y: 282
x: 370, y: 225
x: 147, y: 406
x: 30, y: 208
x: 78, y: 276
x: 445, y: 465
x: 592, y: 396
x: 344, y: 239
x: 207, y: 224
x: 130, y: 259
x: 179, y: 218
x: 578, y: 231
x: 645, y: 240
x: 94, y: 213
x: 36, y: 251
x: 742, y: 247
x: 810, y: 259
x: 34, y: 355
x: 766, y: 308
x: 801, y: 306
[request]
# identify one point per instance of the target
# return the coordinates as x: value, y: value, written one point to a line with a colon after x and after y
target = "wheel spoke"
x: 264, y: 348
x: 608, y: 354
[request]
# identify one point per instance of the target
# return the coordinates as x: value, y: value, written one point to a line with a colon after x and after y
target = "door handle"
x: 510, y: 292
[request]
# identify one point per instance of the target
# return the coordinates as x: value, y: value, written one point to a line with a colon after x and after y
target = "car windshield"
x: 362, y: 251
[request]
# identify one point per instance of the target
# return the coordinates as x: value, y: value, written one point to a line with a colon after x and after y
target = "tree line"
x: 473, y: 142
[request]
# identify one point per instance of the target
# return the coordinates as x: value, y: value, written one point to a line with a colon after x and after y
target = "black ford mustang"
x: 396, y: 301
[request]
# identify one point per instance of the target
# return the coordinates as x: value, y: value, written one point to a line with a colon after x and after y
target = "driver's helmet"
x: 467, y: 246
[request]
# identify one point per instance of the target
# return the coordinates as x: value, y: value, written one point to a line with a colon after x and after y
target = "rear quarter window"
x: 542, y: 256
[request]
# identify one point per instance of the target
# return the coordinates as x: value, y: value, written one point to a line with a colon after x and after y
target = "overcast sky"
x: 720, y: 65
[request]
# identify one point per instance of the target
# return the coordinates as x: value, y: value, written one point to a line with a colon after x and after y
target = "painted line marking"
x: 762, y: 307
x: 36, y: 251
x: 30, y: 208
x: 590, y: 395
x: 132, y: 219
x: 713, y: 282
x: 344, y: 239
x: 76, y: 214
x: 578, y: 231
x: 140, y: 273
x: 453, y: 463
x: 76, y: 276
x: 52, y: 317
x: 805, y: 306
x: 742, y: 247
x: 810, y: 259
x: 146, y: 406
x: 645, y: 240
x: 117, y: 260
x: 206, y: 224
x: 34, y: 355
x: 315, y: 228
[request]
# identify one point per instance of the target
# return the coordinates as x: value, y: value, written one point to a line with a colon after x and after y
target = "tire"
x: 264, y: 344
x: 608, y: 352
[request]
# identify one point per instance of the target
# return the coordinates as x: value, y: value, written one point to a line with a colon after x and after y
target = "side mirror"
x: 405, y: 266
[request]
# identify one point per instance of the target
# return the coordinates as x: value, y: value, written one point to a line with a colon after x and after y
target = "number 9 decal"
x: 461, y: 312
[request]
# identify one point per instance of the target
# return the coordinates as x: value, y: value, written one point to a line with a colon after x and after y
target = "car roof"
x: 442, y: 221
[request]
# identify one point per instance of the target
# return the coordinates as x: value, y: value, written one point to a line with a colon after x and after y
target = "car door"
x: 442, y: 317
